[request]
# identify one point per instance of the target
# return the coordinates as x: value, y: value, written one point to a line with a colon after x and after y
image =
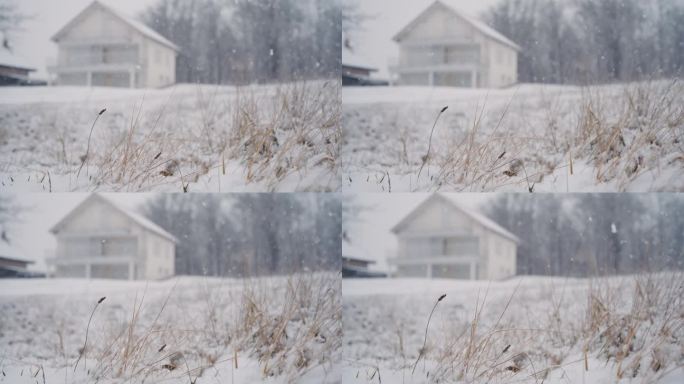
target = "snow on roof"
x: 474, y: 215
x: 137, y: 218
x: 137, y: 25
x: 352, y: 252
x: 8, y: 252
x: 482, y: 219
x: 9, y: 59
x: 475, y: 22
x: 351, y: 59
x: 144, y: 221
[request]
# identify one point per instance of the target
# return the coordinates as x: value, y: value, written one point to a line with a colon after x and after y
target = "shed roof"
x: 8, y: 256
x: 354, y: 253
x: 10, y: 59
x: 353, y: 60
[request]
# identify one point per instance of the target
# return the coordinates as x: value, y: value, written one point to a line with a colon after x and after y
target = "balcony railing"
x: 438, y: 57
x: 106, y: 56
x: 94, y: 260
x: 446, y: 259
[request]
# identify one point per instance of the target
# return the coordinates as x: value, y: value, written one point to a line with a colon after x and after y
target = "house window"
x: 454, y: 79
x: 460, y: 54
x: 78, y: 55
x: 451, y: 271
x: 118, y: 54
x: 422, y: 56
x: 412, y: 270
x: 441, y: 246
x: 425, y: 247
x: 462, y: 246
x: 77, y: 248
x: 118, y: 247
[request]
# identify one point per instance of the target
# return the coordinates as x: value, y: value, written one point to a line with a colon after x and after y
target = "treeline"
x: 594, y: 234
x: 590, y: 41
x: 251, y: 234
x: 235, y: 42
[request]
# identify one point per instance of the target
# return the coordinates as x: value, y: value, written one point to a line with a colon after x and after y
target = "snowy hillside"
x: 199, y: 330
x: 524, y: 330
x: 543, y: 138
x: 184, y: 138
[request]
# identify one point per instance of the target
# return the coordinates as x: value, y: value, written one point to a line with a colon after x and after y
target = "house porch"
x: 446, y: 267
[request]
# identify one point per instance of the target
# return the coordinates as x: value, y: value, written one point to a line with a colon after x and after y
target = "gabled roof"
x: 452, y: 200
x: 135, y: 217
x: 452, y: 6
x: 9, y: 59
x: 137, y: 25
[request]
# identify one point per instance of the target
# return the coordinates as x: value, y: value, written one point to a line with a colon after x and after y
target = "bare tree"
x: 9, y: 212
x: 594, y: 234
x: 237, y: 42
x: 250, y: 234
x: 589, y: 41
x: 11, y: 20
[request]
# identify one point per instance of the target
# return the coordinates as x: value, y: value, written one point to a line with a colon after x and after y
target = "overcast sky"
x: 387, y: 17
x: 370, y: 233
x: 49, y: 16
x: 29, y: 234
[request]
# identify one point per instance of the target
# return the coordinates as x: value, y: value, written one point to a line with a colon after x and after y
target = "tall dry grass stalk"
x: 634, y: 325
x: 290, y: 325
x: 620, y: 131
x: 300, y: 129
x: 209, y: 135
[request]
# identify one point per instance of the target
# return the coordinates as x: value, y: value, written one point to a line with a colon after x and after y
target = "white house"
x: 442, y: 239
x: 103, y: 47
x: 100, y: 239
x: 444, y: 47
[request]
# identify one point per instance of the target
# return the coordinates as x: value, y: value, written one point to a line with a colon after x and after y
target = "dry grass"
x: 301, y: 334
x: 276, y: 141
x: 635, y: 326
x: 290, y: 325
x: 631, y: 133
x: 233, y: 136
x: 636, y: 340
x: 618, y: 132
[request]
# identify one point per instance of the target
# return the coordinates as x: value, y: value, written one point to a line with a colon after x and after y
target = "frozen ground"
x: 199, y: 330
x: 184, y: 138
x: 524, y: 330
x: 540, y: 137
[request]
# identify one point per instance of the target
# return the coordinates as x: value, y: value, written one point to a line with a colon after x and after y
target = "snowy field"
x: 185, y: 138
x: 524, y: 330
x: 185, y: 330
x: 542, y: 138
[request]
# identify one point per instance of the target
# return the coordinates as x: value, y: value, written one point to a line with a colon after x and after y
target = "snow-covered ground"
x: 524, y: 330
x: 546, y: 138
x: 199, y: 330
x: 187, y: 137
